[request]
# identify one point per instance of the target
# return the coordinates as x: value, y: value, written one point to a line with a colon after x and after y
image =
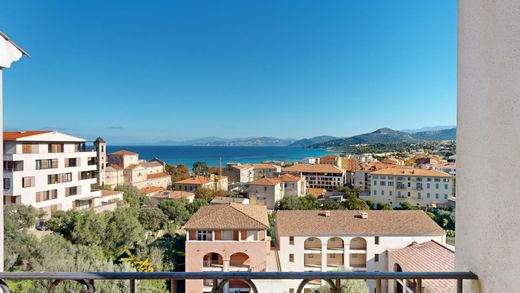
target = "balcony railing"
x: 87, y: 280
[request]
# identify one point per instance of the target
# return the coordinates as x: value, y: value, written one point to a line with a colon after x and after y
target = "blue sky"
x: 145, y: 71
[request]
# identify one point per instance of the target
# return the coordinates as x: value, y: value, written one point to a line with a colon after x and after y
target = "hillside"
x: 314, y: 140
x: 389, y: 136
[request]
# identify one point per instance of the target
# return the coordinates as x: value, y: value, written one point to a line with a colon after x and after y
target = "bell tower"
x: 100, y: 146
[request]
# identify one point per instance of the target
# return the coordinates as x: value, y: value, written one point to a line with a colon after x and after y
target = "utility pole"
x: 9, y: 53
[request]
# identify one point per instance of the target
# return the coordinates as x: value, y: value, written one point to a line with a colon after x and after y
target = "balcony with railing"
x: 86, y: 282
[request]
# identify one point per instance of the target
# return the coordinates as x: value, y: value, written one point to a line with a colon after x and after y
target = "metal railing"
x: 87, y: 280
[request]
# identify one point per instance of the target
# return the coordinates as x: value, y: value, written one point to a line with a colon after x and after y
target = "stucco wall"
x: 488, y: 142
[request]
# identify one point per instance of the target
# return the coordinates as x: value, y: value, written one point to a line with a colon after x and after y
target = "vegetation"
x: 178, y: 172
x: 131, y: 195
x: 208, y: 194
x: 309, y: 202
x: 200, y: 169
x: 83, y: 241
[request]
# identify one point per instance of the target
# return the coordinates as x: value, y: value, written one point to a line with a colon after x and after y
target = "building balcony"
x: 87, y: 281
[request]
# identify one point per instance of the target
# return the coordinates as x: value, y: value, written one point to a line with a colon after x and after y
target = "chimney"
x: 364, y: 215
x: 325, y: 213
x: 252, y: 199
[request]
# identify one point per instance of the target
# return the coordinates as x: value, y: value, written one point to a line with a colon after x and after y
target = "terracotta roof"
x: 317, y: 168
x: 429, y: 256
x: 410, y: 172
x: 123, y: 153
x: 146, y: 164
x: 329, y: 157
x: 105, y: 193
x: 289, y: 178
x: 261, y: 166
x: 174, y: 194
x: 199, y: 180
x: 150, y: 189
x: 157, y: 175
x: 347, y: 222
x: 266, y: 181
x: 115, y: 166
x: 317, y: 191
x: 13, y: 135
x: 132, y: 166
x: 229, y: 216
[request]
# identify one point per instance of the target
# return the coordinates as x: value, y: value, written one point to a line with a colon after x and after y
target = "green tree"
x: 131, y: 195
x: 289, y: 203
x: 152, y: 219
x: 383, y: 206
x: 405, y: 206
x: 178, y: 172
x: 331, y: 205
x: 123, y: 230
x: 353, y: 202
x: 200, y: 169
x: 176, y: 210
x: 309, y: 202
x: 196, y: 205
x: 19, y: 246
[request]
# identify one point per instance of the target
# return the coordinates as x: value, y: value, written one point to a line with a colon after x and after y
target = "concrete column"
x: 488, y: 144
x: 346, y: 255
x: 324, y: 256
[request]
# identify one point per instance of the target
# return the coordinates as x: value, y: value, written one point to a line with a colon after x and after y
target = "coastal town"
x: 353, y: 212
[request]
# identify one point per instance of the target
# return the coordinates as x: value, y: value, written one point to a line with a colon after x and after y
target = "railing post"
x: 459, y: 286
x: 132, y: 285
x: 378, y: 286
x: 418, y: 286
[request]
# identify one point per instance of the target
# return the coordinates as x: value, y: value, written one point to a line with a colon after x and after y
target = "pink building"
x: 231, y: 237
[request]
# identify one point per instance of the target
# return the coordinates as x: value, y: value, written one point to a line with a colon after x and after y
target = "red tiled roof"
x: 150, y: 189
x: 229, y: 216
x: 123, y: 153
x: 105, y: 193
x: 429, y: 256
x: 289, y: 178
x: 13, y: 135
x: 199, y: 180
x: 266, y: 181
x: 317, y: 168
x: 157, y: 175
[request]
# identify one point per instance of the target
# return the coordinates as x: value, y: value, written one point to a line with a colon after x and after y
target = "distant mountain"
x: 388, y: 136
x: 314, y: 140
x: 429, y: 128
x: 254, y: 141
x: 444, y: 134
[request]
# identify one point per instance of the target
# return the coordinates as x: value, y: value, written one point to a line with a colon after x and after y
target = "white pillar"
x: 324, y: 256
x: 346, y: 255
x: 488, y: 144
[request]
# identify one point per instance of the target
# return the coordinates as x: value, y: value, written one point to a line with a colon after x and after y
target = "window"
x: 409, y: 194
x: 375, y: 192
x: 436, y: 185
x: 445, y: 196
x: 251, y: 235
x: 390, y: 193
x: 291, y: 290
x: 291, y: 240
x: 375, y: 182
x: 28, y: 181
x: 427, y: 185
x: 46, y: 195
x: 437, y: 195
x: 7, y: 183
x: 227, y: 235
x: 382, y: 192
x: 71, y: 191
x: 419, y: 195
x: 398, y: 193
x: 71, y: 162
x: 56, y: 148
x: 46, y: 164
x: 203, y: 235
x: 390, y: 183
x: 428, y: 195
x: 376, y: 240
x: 376, y: 257
x: 291, y: 257
x: 59, y: 178
x: 446, y: 186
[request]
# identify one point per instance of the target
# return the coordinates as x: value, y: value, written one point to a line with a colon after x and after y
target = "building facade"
x: 49, y: 170
x: 419, y: 187
x: 319, y: 175
x: 226, y: 237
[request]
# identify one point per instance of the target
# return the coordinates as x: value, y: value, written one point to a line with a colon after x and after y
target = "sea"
x: 188, y: 155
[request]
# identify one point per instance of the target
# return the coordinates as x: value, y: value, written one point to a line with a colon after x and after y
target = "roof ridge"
x: 234, y: 204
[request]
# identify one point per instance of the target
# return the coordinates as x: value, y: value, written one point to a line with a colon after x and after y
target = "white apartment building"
x: 346, y: 240
x: 268, y: 191
x: 49, y: 170
x: 319, y: 175
x: 419, y: 187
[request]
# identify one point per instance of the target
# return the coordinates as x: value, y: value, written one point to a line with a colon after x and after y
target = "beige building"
x: 226, y: 238
x: 124, y: 167
x: 333, y: 160
x: 268, y: 191
x: 213, y: 182
x: 173, y: 195
x: 321, y: 241
x: 419, y: 187
x: 318, y: 176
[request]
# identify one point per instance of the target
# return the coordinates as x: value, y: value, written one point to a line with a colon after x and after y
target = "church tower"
x: 100, y: 146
